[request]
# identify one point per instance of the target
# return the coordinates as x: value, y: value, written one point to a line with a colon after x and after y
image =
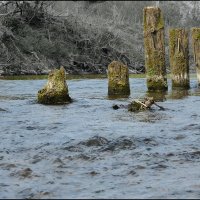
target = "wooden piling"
x: 154, y: 49
x: 196, y: 50
x: 118, y: 79
x: 179, y: 57
x: 56, y: 90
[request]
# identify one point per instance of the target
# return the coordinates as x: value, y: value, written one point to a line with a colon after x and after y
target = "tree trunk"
x: 154, y: 49
x: 179, y: 57
x: 196, y: 50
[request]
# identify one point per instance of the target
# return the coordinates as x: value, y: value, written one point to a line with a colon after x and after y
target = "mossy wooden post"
x: 118, y: 79
x: 56, y: 89
x: 154, y: 49
x: 196, y: 50
x: 179, y: 57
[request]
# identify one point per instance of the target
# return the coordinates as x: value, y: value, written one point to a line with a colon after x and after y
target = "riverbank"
x: 79, y: 76
x: 68, y: 76
x: 46, y: 42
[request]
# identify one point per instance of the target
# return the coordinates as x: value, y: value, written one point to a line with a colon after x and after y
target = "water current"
x: 86, y: 149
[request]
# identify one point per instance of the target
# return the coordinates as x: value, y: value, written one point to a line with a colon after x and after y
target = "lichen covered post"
x: 196, y: 50
x: 179, y: 57
x: 154, y: 49
x: 118, y: 79
x: 56, y: 89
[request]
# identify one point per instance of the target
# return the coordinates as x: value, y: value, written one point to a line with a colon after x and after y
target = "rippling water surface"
x: 88, y: 150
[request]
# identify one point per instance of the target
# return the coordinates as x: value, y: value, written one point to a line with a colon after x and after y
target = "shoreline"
x: 78, y: 76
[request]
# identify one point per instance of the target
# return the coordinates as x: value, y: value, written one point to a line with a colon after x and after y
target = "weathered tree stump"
x: 154, y: 49
x: 118, y: 79
x: 179, y: 57
x: 56, y: 89
x: 196, y: 50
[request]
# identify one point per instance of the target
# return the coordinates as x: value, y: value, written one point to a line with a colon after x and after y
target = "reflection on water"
x: 157, y: 95
x: 178, y: 93
x: 112, y: 97
x: 195, y: 91
x: 12, y: 97
x: 89, y: 150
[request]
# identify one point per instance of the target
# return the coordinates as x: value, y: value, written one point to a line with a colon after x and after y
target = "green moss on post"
x: 196, y: 50
x: 154, y: 49
x: 179, y: 57
x: 118, y: 79
x: 56, y: 90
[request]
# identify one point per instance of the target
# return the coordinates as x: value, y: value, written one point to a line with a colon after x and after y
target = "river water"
x: 86, y: 149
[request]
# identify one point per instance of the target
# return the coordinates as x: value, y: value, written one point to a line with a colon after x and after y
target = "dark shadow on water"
x: 58, y: 103
x: 3, y: 110
x: 13, y: 97
x: 33, y: 101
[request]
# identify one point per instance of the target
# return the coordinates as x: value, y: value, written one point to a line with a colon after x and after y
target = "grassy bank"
x: 71, y: 77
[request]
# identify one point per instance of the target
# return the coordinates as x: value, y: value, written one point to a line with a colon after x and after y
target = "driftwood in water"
x: 137, y: 105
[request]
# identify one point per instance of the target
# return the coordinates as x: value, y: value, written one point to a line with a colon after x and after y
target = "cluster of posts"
x: 178, y: 52
x: 156, y: 74
x: 56, y: 90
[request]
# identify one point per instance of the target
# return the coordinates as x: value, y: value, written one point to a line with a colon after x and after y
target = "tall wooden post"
x: 196, y: 50
x: 179, y: 57
x: 154, y: 49
x: 118, y: 79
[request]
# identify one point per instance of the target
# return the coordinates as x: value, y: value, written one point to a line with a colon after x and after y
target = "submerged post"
x: 56, y: 89
x: 118, y: 79
x: 179, y: 57
x: 196, y: 50
x: 154, y: 49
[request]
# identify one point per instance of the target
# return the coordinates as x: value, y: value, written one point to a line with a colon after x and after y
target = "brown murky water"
x: 88, y: 150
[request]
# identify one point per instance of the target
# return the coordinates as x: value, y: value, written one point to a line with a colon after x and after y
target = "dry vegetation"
x: 82, y: 36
